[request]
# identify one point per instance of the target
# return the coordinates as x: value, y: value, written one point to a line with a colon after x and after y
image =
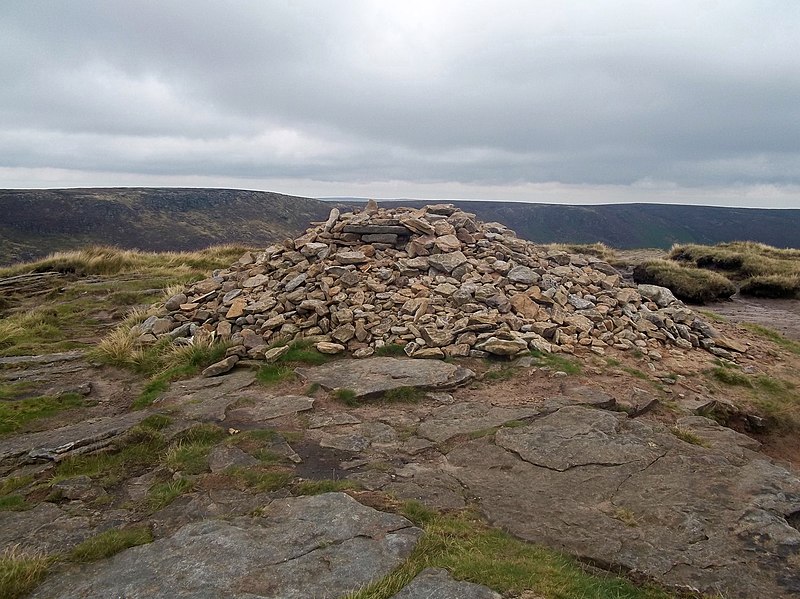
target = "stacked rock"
x: 436, y: 282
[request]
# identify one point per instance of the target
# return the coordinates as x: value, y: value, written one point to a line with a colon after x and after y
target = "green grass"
x: 14, y: 483
x: 556, y: 362
x: 109, y: 543
x: 731, y: 376
x: 161, y: 495
x: 390, y: 350
x: 470, y: 550
x: 156, y: 422
x: 14, y: 415
x: 303, y: 352
x: 13, y: 503
x: 500, y: 374
x: 688, y: 436
x: 180, y: 363
x: 21, y: 572
x: 403, y: 395
x: 140, y: 449
x: 14, y: 390
x: 189, y: 452
x: 262, y: 479
x: 270, y: 374
x: 774, y: 336
x: 317, y: 487
x: 694, y: 285
x: 346, y: 396
x: 636, y: 372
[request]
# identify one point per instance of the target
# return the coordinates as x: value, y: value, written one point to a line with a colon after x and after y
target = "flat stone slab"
x: 69, y: 440
x: 50, y: 529
x: 373, y: 376
x: 323, y: 546
x: 269, y: 407
x: 632, y: 495
x: 66, y: 356
x: 206, y: 398
x: 436, y: 583
x: 468, y: 417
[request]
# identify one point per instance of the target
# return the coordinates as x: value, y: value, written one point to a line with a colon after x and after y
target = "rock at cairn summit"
x: 433, y: 280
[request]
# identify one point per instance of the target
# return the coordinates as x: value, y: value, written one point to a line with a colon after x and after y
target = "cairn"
x: 435, y: 281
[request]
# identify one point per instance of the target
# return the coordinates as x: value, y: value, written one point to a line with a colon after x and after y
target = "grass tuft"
x: 109, y: 543
x: 403, y: 395
x: 161, y: 495
x: 688, y: 436
x: 390, y: 350
x: 14, y: 415
x: 21, y: 571
x: 774, y: 336
x: 556, y: 362
x: 262, y: 479
x: 694, y: 285
x: 270, y: 374
x: 317, y: 487
x: 13, y: 503
x: 346, y: 396
x: 470, y: 550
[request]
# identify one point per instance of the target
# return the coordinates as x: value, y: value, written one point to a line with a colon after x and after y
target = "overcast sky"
x: 551, y: 101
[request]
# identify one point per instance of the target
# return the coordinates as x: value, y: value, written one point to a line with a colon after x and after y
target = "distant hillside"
x: 34, y: 222
x: 627, y: 226
x: 37, y: 222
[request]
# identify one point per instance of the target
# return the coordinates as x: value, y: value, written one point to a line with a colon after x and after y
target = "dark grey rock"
x: 634, y: 496
x: 323, y: 546
x: 372, y: 376
x: 435, y: 583
x: 461, y: 418
x: 223, y: 457
x: 221, y: 367
x: 273, y: 407
x: 74, y: 439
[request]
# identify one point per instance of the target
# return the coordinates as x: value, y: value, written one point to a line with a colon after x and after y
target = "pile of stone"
x: 435, y: 281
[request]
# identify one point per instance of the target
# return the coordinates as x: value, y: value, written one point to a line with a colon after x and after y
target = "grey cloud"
x: 480, y: 93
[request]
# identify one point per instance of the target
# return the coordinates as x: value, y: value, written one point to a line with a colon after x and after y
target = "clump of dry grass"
x: 600, y: 250
x: 104, y: 260
x: 693, y: 285
x: 21, y: 571
x: 777, y: 286
x: 765, y: 271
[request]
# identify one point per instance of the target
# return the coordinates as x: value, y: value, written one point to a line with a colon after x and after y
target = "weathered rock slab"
x: 323, y: 546
x: 436, y: 583
x: 372, y: 376
x: 468, y: 417
x: 69, y: 440
x: 634, y: 496
x: 268, y: 408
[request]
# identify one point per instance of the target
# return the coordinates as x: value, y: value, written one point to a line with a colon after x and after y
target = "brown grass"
x: 693, y: 285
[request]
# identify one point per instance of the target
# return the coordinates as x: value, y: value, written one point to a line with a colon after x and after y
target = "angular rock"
x: 435, y: 583
x: 373, y: 376
x: 522, y: 274
x: 324, y: 347
x: 447, y: 262
x: 268, y: 408
x: 322, y: 546
x: 221, y: 367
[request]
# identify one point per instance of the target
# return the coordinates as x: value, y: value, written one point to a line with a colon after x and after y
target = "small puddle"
x: 321, y: 463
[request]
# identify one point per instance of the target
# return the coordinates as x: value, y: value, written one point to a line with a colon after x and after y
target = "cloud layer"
x: 447, y: 98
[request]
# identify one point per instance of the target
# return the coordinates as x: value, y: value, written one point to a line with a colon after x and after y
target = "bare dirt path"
x: 783, y: 315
